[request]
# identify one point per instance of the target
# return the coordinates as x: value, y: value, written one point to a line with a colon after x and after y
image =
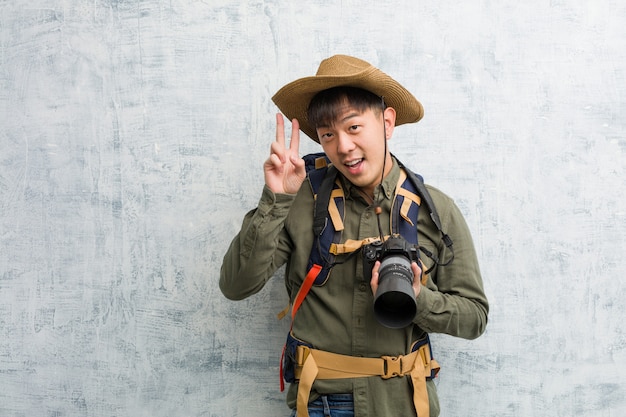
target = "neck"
x: 368, y: 194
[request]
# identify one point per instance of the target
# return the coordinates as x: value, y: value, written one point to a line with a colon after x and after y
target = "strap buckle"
x: 392, y: 367
x: 302, y: 352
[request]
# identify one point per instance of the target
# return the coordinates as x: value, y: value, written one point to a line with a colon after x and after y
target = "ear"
x: 389, y: 116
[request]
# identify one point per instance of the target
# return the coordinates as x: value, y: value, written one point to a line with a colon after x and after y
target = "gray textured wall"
x: 131, y: 142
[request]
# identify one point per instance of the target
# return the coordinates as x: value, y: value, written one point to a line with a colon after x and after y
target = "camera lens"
x: 394, y: 303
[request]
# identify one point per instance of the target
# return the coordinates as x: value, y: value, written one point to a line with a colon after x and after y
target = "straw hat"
x: 342, y: 70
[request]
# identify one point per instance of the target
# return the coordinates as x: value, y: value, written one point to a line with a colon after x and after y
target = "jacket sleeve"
x: 456, y: 304
x: 259, y: 249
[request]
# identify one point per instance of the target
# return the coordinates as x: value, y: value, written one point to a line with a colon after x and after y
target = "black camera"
x: 394, y: 301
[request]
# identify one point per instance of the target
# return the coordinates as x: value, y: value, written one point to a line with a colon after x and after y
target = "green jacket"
x: 338, y: 316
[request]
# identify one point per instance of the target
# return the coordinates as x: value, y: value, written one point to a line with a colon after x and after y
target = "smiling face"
x: 353, y: 135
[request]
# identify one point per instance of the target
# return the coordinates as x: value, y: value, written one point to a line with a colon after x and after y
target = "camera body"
x: 394, y: 302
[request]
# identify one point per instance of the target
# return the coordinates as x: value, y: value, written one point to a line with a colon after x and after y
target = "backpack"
x: 328, y: 214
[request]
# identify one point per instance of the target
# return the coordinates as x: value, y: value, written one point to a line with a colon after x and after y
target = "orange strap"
x: 302, y: 292
x: 304, y: 289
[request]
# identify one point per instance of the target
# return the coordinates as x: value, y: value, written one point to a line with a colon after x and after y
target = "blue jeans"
x: 332, y: 405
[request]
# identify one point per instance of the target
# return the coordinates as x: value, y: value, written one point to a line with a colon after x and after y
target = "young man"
x: 343, y: 355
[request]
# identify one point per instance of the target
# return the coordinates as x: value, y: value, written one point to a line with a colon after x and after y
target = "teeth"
x: 353, y: 163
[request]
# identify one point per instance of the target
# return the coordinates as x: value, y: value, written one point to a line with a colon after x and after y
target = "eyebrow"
x: 350, y: 116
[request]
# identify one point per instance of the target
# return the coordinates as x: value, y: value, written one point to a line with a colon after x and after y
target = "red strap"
x: 304, y: 289
x: 302, y: 292
x: 280, y: 369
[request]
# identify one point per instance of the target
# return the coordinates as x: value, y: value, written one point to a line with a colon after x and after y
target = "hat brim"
x: 293, y: 99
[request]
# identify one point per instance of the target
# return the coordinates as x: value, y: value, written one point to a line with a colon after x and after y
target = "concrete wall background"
x: 131, y: 142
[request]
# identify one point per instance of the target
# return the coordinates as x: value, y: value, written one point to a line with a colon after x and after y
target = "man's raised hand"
x: 284, y: 169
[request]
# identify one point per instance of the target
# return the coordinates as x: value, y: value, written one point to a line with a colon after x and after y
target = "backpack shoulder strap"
x: 418, y: 183
x: 321, y: 176
x: 329, y: 204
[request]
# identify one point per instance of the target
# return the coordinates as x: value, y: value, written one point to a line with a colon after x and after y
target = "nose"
x: 345, y: 144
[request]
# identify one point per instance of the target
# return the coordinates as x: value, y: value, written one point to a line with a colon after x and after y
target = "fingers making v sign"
x: 284, y: 169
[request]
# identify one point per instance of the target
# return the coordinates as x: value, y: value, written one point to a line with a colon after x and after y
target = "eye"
x: 354, y: 128
x: 325, y: 136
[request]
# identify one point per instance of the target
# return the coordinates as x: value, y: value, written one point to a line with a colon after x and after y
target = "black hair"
x: 324, y: 107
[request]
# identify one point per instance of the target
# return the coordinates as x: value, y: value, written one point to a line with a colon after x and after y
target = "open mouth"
x: 354, y: 166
